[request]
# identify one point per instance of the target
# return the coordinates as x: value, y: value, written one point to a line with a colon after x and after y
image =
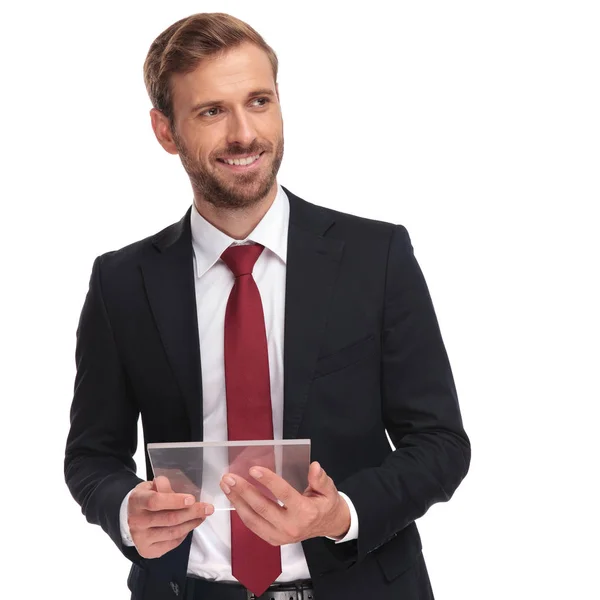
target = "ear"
x: 162, y: 131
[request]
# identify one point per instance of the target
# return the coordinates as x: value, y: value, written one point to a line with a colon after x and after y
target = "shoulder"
x: 350, y: 227
x: 133, y: 253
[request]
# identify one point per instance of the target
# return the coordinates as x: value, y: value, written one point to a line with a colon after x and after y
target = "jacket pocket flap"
x: 400, y: 553
x: 345, y: 357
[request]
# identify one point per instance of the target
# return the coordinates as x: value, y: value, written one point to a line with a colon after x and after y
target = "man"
x: 260, y: 316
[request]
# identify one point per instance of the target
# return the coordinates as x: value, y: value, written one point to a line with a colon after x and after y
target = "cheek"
x: 274, y: 126
x: 268, y: 125
x: 201, y: 144
x: 202, y: 154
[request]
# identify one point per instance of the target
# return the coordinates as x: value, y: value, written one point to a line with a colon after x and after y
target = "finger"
x: 238, y: 489
x: 319, y: 481
x: 255, y: 522
x: 278, y: 486
x: 164, y: 534
x: 141, y: 488
x: 154, y: 501
x: 169, y: 518
x: 162, y: 484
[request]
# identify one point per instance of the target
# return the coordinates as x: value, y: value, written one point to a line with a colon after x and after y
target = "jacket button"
x: 175, y: 587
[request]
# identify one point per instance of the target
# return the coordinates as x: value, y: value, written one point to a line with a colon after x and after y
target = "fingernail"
x: 208, y: 510
x: 256, y: 473
x: 229, y: 480
x: 189, y: 501
x: 225, y: 488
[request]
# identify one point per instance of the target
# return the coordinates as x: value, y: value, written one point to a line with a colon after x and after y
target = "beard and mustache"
x: 240, y: 190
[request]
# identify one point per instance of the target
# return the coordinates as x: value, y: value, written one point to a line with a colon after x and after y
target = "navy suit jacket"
x: 363, y: 354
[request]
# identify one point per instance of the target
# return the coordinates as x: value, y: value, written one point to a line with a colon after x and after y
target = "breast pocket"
x: 346, y: 356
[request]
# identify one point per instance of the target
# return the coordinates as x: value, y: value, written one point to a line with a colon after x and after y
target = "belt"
x: 201, y: 589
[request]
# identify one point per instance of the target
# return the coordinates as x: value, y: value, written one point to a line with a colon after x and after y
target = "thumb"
x: 318, y: 480
x: 161, y: 484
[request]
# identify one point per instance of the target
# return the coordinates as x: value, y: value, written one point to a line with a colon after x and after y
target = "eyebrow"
x: 254, y: 93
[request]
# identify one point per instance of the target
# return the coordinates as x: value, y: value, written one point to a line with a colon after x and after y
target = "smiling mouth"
x: 245, y: 161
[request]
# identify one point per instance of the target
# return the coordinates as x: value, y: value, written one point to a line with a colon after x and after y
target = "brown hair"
x: 181, y: 47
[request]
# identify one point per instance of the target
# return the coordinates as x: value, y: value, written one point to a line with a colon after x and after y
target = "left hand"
x: 319, y: 511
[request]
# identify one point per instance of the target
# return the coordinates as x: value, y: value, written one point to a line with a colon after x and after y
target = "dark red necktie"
x: 255, y: 563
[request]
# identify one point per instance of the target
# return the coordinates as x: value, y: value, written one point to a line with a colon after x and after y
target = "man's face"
x: 228, y: 109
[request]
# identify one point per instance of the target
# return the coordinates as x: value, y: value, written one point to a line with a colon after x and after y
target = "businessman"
x: 260, y: 316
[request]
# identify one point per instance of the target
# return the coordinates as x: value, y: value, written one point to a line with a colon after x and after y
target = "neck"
x: 237, y: 223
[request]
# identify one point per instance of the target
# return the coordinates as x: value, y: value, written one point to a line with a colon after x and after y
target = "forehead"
x: 225, y: 76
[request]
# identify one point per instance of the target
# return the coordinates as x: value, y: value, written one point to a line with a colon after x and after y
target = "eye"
x: 263, y: 101
x: 211, y: 112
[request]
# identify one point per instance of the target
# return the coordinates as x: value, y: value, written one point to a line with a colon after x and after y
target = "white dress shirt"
x: 210, y: 554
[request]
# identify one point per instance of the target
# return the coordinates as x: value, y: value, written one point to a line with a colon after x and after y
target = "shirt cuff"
x: 353, y: 531
x: 125, y: 533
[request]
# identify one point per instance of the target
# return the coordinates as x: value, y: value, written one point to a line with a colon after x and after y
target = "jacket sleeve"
x: 99, y: 467
x: 420, y: 409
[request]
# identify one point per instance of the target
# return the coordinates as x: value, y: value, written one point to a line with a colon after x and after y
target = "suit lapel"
x: 312, y: 265
x: 169, y: 279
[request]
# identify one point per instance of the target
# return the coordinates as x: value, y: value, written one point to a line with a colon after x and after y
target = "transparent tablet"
x: 197, y: 467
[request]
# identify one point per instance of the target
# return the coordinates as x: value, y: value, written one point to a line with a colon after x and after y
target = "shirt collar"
x: 272, y: 232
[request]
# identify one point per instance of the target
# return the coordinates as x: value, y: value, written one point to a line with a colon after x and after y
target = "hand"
x: 159, y: 519
x: 319, y: 511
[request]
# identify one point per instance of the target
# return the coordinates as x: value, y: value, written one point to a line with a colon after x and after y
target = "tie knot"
x: 241, y: 259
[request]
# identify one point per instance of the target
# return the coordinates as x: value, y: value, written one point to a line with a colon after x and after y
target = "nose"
x: 240, y: 129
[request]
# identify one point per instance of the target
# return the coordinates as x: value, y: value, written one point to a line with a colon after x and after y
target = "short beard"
x: 210, y: 188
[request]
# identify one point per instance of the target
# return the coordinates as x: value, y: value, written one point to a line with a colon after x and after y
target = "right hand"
x: 160, y: 519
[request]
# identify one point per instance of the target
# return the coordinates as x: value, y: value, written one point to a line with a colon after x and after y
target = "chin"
x: 236, y: 196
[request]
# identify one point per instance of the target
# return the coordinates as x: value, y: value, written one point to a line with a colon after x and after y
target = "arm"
x: 99, y: 465
x: 420, y: 408
x: 352, y: 532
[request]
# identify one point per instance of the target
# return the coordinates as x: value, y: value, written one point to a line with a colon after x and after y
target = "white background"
x: 473, y: 123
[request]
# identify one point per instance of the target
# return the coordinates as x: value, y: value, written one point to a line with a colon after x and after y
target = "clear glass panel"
x: 197, y: 467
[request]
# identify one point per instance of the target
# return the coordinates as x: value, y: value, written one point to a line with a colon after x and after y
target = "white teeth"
x: 242, y: 161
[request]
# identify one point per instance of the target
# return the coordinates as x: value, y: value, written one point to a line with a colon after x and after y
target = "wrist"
x: 341, y: 522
